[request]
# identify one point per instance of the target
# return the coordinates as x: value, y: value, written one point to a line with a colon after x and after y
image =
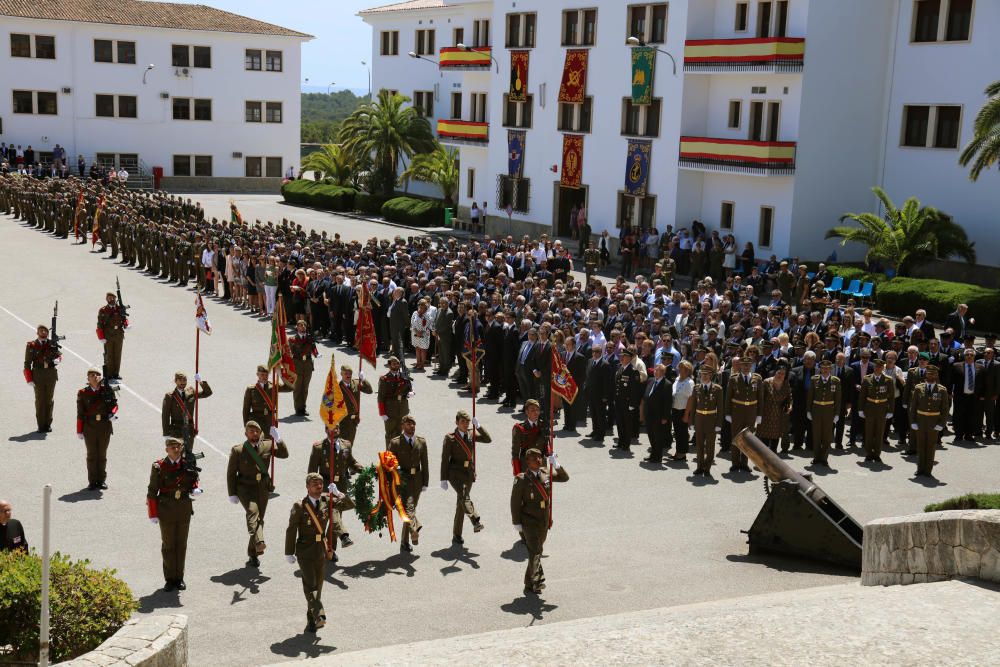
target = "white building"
x: 781, y: 116
x: 210, y: 97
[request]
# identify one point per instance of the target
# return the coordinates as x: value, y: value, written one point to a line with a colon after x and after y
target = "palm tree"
x: 439, y: 167
x: 333, y: 162
x: 387, y: 130
x: 984, y: 149
x: 905, y: 237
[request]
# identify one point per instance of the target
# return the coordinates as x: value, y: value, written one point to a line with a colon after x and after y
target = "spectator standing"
x: 11, y: 532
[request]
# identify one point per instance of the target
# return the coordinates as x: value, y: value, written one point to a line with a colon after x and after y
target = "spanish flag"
x: 563, y: 383
x: 234, y: 213
x: 332, y: 409
x: 96, y: 229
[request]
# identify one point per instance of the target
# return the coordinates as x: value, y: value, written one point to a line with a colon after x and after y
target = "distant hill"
x: 322, y: 114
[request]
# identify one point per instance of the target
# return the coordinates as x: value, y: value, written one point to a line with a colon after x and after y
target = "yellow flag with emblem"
x: 333, y: 408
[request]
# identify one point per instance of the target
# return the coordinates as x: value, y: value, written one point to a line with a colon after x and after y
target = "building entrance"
x: 567, y: 200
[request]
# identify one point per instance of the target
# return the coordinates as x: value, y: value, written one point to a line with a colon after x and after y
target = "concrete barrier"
x: 147, y: 641
x: 934, y: 546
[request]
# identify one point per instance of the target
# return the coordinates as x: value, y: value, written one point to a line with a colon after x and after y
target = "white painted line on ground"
x: 124, y: 386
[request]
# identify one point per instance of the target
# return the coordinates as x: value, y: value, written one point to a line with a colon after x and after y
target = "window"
x: 514, y: 192
x: 742, y: 14
x: 575, y: 117
x: 180, y: 56
x: 253, y: 167
x: 202, y: 165
x: 763, y: 20
x: 764, y: 121
x: 253, y: 112
x: 272, y: 167
x: 423, y: 102
x: 126, y: 53
x: 20, y: 46
x: 47, y: 103
x: 640, y: 120
x: 45, y: 47
x: 781, y: 19
x: 106, y: 106
x: 106, y: 160
x: 24, y: 101
x: 26, y: 46
x: 203, y: 109
x: 633, y: 211
x: 648, y: 23
x: 456, y: 106
x: 517, y: 114
x: 931, y: 126
x: 916, y: 122
x: 766, y: 227
x: 128, y: 106
x: 521, y: 31
x: 117, y: 106
x: 181, y: 108
x: 390, y: 43
x: 458, y: 36
x: 481, y: 32
x: 926, y: 16
x: 948, y: 127
x: 477, y: 104
x: 104, y: 50
x: 273, y: 110
x: 425, y: 42
x: 726, y: 215
x: 252, y: 60
x: 579, y: 27
x: 182, y: 165
x: 959, y: 21
x: 272, y: 61
x: 735, y: 114
x: 928, y: 25
x: 470, y: 184
x: 202, y: 57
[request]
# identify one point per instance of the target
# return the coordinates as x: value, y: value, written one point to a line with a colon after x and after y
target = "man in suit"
x: 800, y: 380
x: 411, y: 452
x: 493, y: 346
x: 577, y: 365
x: 991, y: 388
x: 525, y: 356
x: 958, y: 320
x: 444, y: 334
x: 511, y: 347
x: 968, y: 391
x: 597, y: 390
x: 541, y: 371
x: 657, y: 405
x: 399, y: 324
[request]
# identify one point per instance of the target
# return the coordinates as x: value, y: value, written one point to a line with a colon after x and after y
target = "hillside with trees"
x: 322, y: 114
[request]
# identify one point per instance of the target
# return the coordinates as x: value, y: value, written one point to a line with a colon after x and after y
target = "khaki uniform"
x: 168, y: 499
x: 94, y: 410
x: 392, y: 402
x: 823, y: 403
x: 669, y: 269
x: 591, y: 258
x: 352, y: 399
x: 178, y: 410
x: 252, y: 484
x: 258, y: 404
x: 743, y: 407
x: 707, y: 412
x: 303, y: 349
x: 40, y: 359
x: 928, y: 410
x: 877, y: 398
x: 524, y: 436
x: 458, y: 467
x: 111, y: 324
x: 343, y: 465
x: 414, y: 477
x: 304, y: 539
x: 530, y: 507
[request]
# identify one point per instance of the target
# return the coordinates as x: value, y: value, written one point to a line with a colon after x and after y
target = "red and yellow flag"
x: 96, y: 229
x: 280, y: 353
x: 332, y: 408
x: 563, y: 384
x: 364, y: 336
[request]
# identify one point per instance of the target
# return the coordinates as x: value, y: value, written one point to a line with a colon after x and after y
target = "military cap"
x: 826, y: 363
x: 180, y: 375
x: 533, y: 451
x: 171, y: 440
x: 461, y: 414
x: 261, y: 368
x: 93, y: 370
x: 111, y: 294
x: 347, y: 368
x: 630, y: 352
x: 878, y: 361
x: 253, y: 424
x: 41, y: 326
x: 408, y: 419
x: 832, y: 337
x: 314, y: 477
x: 924, y: 356
x: 531, y: 402
x: 931, y: 368
x: 392, y: 359
x: 706, y: 368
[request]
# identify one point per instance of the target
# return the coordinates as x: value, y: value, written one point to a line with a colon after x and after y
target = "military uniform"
x: 258, y: 404
x: 743, y: 410
x: 414, y: 477
x: 591, y: 258
x: 307, y: 525
x: 111, y: 324
x: 248, y: 479
x: 352, y: 400
x: 929, y: 406
x: 669, y: 269
x: 458, y: 468
x: 707, y: 412
x: 393, y: 389
x: 628, y: 395
x: 524, y: 436
x: 823, y: 405
x: 95, y: 409
x: 878, y: 395
x: 530, y: 508
x: 40, y: 360
x: 303, y: 347
x: 168, y: 500
x: 343, y: 465
x: 177, y: 413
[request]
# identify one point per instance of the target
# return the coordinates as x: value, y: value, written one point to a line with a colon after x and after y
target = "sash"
x: 541, y: 488
x: 312, y: 516
x: 255, y: 455
x: 353, y: 399
x: 183, y: 406
x: 468, y: 452
x: 267, y: 399
x: 177, y: 482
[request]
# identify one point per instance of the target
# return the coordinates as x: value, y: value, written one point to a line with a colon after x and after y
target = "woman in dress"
x: 421, y: 325
x: 777, y: 408
x: 299, y: 284
x: 749, y: 260
x: 729, y: 250
x: 253, y: 295
x: 270, y: 285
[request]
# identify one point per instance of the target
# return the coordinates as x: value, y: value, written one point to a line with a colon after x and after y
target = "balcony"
x: 770, y: 54
x: 735, y: 156
x: 468, y: 59
x: 463, y: 132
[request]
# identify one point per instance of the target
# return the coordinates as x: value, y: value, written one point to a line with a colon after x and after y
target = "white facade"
x: 841, y: 111
x: 154, y: 135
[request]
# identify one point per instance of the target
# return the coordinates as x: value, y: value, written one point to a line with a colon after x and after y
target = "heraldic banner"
x: 643, y: 66
x: 518, y: 76
x: 515, y: 153
x: 574, y: 79
x: 637, y: 167
x: 572, y: 169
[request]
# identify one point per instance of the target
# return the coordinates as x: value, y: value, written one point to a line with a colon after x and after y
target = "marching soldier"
x: 96, y: 408
x: 531, y: 512
x: 343, y: 465
x: 705, y: 409
x: 929, y: 406
x: 303, y: 347
x: 178, y: 410
x: 458, y: 467
x: 743, y: 406
x: 591, y: 258
x: 525, y: 435
x: 41, y: 356
x: 352, y: 390
x: 172, y: 482
x: 249, y: 482
x: 304, y: 543
x: 878, y: 395
x: 258, y: 400
x: 111, y: 325
x: 394, y: 389
x: 823, y: 410
x: 414, y: 477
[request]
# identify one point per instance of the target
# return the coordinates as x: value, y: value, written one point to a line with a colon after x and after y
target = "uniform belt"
x: 744, y: 402
x: 95, y: 418
x: 707, y: 412
x: 878, y: 400
x: 822, y: 402
x: 928, y: 414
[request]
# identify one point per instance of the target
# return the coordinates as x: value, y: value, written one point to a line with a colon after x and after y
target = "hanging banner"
x: 518, y: 76
x: 643, y: 66
x: 572, y: 169
x: 515, y: 153
x: 574, y: 80
x: 637, y: 167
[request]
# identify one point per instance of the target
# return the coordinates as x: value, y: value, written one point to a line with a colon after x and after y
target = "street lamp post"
x: 635, y: 41
x: 332, y: 84
x: 416, y: 56
x: 148, y: 68
x: 365, y: 65
x: 469, y: 48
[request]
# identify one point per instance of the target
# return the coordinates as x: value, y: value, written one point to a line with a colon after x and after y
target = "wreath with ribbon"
x: 375, y: 513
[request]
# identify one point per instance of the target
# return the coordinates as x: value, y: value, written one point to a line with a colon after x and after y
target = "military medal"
x: 336, y: 478
x: 319, y: 538
x: 258, y: 477
x: 543, y: 504
x: 177, y: 494
x: 465, y: 464
x: 413, y: 471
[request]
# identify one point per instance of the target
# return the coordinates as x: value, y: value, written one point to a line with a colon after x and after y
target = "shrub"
x: 319, y: 195
x: 86, y: 605
x: 368, y: 203
x: 903, y: 296
x: 413, y: 212
x: 971, y: 501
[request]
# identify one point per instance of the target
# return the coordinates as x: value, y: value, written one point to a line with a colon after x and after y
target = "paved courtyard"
x: 626, y: 537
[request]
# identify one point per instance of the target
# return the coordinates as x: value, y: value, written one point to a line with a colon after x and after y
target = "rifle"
x: 121, y: 303
x: 53, y: 336
x: 187, y: 435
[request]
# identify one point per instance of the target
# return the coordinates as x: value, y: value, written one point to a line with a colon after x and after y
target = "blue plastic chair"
x: 865, y: 293
x: 811, y: 275
x: 836, y: 285
x: 854, y: 287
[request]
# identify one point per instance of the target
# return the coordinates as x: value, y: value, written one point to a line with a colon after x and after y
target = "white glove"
x: 554, y: 462
x: 718, y: 429
x: 939, y: 428
x: 444, y: 485
x: 809, y: 416
x: 154, y: 520
x: 913, y: 426
x: 274, y: 434
x: 31, y: 384
x: 57, y: 360
x: 475, y: 423
x: 423, y: 489
x: 729, y: 419
x: 757, y: 421
x: 197, y: 377
x: 411, y: 394
x: 114, y: 417
x: 361, y: 375
x: 518, y: 528
x: 290, y: 559
x: 861, y: 414
x: 836, y: 419
x: 888, y: 416
x: 79, y: 436
x: 385, y: 418
x: 104, y: 342
x: 234, y: 499
x: 197, y: 492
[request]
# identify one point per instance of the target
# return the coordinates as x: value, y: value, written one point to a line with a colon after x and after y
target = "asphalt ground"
x: 626, y: 537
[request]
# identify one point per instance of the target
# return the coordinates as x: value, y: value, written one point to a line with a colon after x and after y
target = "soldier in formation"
x: 352, y: 390
x: 177, y: 411
x: 248, y: 480
x: 303, y: 347
x: 172, y: 483
x: 333, y: 458
x: 305, y: 544
x: 111, y: 325
x: 259, y: 400
x: 96, y: 408
x: 410, y: 451
x: 41, y: 357
x: 458, y: 469
x: 394, y: 392
x: 531, y: 512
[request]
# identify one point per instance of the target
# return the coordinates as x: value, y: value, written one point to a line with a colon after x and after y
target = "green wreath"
x: 362, y: 491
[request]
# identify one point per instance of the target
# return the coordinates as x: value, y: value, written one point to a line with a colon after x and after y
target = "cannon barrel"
x: 772, y: 465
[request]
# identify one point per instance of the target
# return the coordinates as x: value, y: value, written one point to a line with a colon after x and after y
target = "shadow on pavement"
x: 740, y: 477
x: 874, y: 466
x: 517, y: 552
x: 529, y: 605
x: 304, y: 644
x: 785, y: 564
x: 30, y: 436
x: 929, y: 482
x: 159, y: 599
x: 456, y: 553
x: 374, y: 569
x: 702, y: 480
x: 244, y: 579
x: 78, y: 496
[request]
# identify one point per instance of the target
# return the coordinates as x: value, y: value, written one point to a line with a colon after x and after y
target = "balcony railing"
x: 735, y: 156
x: 463, y: 132
x: 474, y: 58
x: 769, y: 54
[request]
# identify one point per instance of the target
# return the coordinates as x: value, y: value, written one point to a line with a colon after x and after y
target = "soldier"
x: 705, y: 408
x: 258, y: 400
x: 531, y: 512
x: 249, y: 482
x: 629, y: 383
x: 303, y: 347
x: 394, y: 389
x: 744, y: 394
x: 525, y: 435
x: 877, y: 396
x: 178, y: 411
x: 669, y: 269
x: 414, y: 477
x: 929, y: 406
x: 823, y: 410
x: 304, y: 543
x: 352, y: 390
x: 172, y: 482
x: 41, y: 356
x: 96, y: 408
x: 111, y: 325
x: 458, y: 467
x: 591, y: 258
x: 343, y: 465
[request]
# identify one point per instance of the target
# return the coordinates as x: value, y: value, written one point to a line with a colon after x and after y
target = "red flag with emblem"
x: 364, y: 336
x: 563, y: 384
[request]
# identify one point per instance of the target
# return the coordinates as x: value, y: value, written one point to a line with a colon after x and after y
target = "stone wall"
x: 147, y: 641
x: 934, y: 546
x: 235, y: 185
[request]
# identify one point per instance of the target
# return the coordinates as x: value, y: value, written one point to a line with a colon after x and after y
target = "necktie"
x: 970, y: 381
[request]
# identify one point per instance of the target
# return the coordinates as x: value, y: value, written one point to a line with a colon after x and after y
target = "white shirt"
x: 207, y: 258
x: 682, y: 392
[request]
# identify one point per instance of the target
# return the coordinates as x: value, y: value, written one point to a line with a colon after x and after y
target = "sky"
x: 341, y: 41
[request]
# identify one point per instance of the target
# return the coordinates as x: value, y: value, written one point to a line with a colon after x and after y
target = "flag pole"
x: 552, y: 352
x: 472, y: 372
x: 274, y: 377
x: 330, y: 536
x: 197, y: 357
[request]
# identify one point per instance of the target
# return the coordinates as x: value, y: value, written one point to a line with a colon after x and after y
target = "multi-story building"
x: 767, y: 118
x: 203, y: 94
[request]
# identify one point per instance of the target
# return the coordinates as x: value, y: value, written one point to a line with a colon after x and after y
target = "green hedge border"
x: 414, y: 212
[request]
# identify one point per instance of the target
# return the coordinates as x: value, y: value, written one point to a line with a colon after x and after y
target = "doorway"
x: 566, y: 199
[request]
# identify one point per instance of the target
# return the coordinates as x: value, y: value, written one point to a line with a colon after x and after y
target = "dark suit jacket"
x: 954, y: 322
x: 796, y: 381
x: 597, y: 385
x: 657, y: 402
x: 12, y: 536
x: 958, y: 380
x: 399, y: 316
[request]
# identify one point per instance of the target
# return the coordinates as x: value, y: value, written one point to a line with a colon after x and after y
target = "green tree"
x: 386, y: 130
x: 332, y: 161
x: 984, y: 149
x: 439, y: 167
x: 905, y: 237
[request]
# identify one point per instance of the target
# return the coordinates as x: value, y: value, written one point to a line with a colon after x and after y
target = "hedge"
x: 319, y: 195
x: 903, y: 296
x: 86, y: 605
x: 971, y: 501
x: 369, y: 203
x: 414, y: 212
